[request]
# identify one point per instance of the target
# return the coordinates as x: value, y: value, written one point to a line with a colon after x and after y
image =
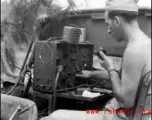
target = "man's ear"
x: 117, y: 21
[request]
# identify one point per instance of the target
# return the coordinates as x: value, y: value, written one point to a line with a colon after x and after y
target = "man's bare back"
x: 143, y: 45
x: 136, y: 64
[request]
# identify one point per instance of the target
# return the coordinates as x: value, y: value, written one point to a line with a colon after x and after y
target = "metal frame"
x: 45, y: 96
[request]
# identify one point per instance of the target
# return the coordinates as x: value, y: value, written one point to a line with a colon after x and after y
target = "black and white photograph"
x: 76, y: 60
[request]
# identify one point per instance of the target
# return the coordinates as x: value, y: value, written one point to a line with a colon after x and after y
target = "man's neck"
x: 132, y: 32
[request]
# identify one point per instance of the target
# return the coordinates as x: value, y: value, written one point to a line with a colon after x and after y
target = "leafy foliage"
x: 21, y: 19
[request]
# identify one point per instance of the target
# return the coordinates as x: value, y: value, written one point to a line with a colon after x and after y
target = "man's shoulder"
x: 140, y: 48
x: 133, y: 51
x: 137, y: 53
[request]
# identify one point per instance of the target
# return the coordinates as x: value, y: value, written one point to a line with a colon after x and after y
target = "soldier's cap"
x: 122, y: 5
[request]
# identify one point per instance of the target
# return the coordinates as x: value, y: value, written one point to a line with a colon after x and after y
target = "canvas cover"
x: 10, y: 103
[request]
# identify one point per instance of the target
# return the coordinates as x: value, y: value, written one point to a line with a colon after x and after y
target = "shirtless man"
x: 121, y: 19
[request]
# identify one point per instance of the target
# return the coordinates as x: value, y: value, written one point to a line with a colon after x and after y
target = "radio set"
x: 72, y: 56
x: 56, y: 64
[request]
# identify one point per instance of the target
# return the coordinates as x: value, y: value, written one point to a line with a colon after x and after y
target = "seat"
x: 9, y: 105
x: 142, y: 109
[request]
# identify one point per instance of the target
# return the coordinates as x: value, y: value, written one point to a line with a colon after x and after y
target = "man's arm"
x: 125, y: 89
x: 101, y: 74
x: 134, y: 61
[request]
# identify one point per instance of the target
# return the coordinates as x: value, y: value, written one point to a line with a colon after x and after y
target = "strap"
x: 113, y: 69
x: 141, y: 96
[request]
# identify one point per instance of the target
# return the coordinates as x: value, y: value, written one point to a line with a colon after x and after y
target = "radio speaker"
x: 71, y: 34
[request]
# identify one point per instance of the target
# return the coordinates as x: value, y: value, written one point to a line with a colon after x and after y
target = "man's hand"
x: 84, y: 74
x: 107, y: 63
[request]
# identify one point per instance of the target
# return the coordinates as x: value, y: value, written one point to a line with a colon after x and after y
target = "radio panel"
x: 73, y: 57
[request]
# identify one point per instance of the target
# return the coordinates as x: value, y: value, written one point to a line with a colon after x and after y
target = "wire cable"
x: 98, y: 83
x: 49, y: 49
x: 20, y: 76
x: 65, y: 90
x: 59, y: 70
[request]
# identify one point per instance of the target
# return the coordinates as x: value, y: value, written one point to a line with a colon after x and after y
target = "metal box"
x: 71, y: 34
x: 48, y: 55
